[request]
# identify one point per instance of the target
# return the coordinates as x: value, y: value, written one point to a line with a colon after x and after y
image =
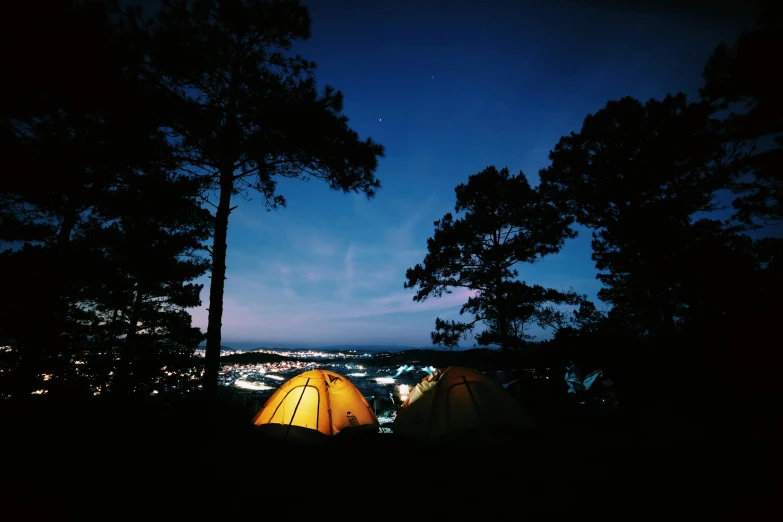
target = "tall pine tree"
x: 249, y: 113
x: 82, y: 131
x: 638, y: 174
x: 504, y: 224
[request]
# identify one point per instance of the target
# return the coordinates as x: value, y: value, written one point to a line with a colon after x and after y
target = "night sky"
x: 448, y: 88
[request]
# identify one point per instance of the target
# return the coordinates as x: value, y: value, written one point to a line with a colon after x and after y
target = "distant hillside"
x: 368, y: 347
x: 375, y: 348
x: 483, y: 358
x: 254, y: 358
x: 399, y: 348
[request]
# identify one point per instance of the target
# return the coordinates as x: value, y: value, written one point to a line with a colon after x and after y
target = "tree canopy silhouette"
x: 147, y: 263
x: 249, y: 112
x: 586, y: 319
x: 90, y: 177
x: 505, y: 223
x: 638, y: 174
x: 743, y: 77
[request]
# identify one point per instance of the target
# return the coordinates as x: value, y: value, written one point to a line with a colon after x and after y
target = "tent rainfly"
x: 313, y: 404
x: 456, y: 399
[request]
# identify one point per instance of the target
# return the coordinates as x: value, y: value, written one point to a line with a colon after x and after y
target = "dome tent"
x: 455, y: 400
x: 314, y: 404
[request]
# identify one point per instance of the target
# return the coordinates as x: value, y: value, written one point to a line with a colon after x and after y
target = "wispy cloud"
x: 320, y: 283
x: 328, y: 283
x: 289, y: 316
x: 318, y: 246
x: 348, y: 273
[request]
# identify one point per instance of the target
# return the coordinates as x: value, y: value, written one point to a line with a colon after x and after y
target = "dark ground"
x: 67, y: 462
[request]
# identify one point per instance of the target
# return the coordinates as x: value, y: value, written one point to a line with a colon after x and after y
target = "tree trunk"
x: 41, y: 355
x: 108, y: 354
x: 66, y: 228
x: 121, y: 375
x: 502, y: 318
x: 134, y: 316
x: 217, y: 285
x: 56, y: 345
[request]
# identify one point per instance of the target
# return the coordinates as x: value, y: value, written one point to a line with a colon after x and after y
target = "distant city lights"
x: 255, y: 386
x: 298, y: 354
x: 378, y: 379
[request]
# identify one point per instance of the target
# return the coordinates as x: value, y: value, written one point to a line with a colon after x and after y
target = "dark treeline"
x: 693, y: 299
x: 127, y: 133
x: 107, y: 234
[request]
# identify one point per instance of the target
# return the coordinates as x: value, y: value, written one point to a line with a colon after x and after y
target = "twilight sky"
x: 448, y: 88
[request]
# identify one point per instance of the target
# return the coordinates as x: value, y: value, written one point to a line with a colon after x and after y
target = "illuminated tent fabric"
x: 315, y: 403
x: 456, y: 399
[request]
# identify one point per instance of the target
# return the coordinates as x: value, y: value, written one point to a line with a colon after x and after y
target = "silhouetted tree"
x: 741, y: 80
x: 66, y: 141
x: 505, y: 223
x: 637, y: 174
x: 23, y: 285
x: 743, y: 77
x: 75, y: 150
x: 144, y: 286
x: 249, y: 113
x: 586, y: 319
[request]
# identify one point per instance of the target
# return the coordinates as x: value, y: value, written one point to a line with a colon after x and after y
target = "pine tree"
x: 248, y: 113
x: 80, y: 130
x: 505, y: 223
x: 742, y: 77
x: 638, y: 174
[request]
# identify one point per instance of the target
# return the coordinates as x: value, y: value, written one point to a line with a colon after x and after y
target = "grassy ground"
x: 63, y: 461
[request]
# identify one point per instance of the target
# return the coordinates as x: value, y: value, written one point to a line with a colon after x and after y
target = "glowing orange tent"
x: 315, y: 403
x: 456, y: 399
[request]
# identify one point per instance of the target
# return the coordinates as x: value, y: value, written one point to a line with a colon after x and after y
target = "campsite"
x: 359, y: 259
x: 464, y: 438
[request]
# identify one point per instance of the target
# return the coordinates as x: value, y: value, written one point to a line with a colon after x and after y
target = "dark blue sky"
x: 448, y: 88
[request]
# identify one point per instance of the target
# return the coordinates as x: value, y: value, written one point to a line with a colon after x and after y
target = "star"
x: 380, y: 119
